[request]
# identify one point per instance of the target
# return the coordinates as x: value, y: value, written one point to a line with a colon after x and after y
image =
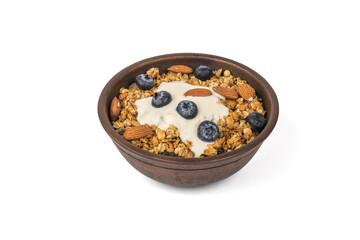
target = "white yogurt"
x: 208, y: 109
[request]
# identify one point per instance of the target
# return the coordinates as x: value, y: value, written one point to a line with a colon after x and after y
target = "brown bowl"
x: 188, y: 172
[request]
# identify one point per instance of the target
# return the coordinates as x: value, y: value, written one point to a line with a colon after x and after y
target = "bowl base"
x: 188, y: 178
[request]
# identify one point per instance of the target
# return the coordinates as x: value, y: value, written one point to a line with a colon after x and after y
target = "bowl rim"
x: 161, y: 160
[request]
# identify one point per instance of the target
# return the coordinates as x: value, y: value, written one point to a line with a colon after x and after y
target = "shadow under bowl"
x: 188, y: 172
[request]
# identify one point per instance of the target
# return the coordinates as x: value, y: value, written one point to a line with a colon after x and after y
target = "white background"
x: 61, y: 177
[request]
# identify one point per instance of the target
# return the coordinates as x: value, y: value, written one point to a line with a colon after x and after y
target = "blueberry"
x: 161, y: 99
x: 166, y: 153
x: 256, y: 121
x: 203, y: 72
x: 187, y: 109
x: 144, y: 82
x: 208, y: 131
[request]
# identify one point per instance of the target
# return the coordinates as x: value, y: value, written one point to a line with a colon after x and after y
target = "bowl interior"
x: 127, y: 76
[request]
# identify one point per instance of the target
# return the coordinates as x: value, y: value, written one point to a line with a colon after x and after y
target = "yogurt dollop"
x: 209, y: 108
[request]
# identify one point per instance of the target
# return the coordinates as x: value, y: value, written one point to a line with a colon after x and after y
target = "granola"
x: 234, y: 129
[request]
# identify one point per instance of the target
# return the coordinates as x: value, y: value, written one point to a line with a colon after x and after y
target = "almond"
x: 114, y: 109
x: 246, y: 91
x: 136, y: 132
x: 226, y: 92
x: 198, y: 92
x: 180, y: 69
x: 132, y: 86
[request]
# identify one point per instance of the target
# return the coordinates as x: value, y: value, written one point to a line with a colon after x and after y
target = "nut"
x: 180, y: 69
x: 133, y: 86
x: 136, y: 132
x: 198, y: 92
x: 246, y: 91
x: 226, y: 92
x: 114, y: 108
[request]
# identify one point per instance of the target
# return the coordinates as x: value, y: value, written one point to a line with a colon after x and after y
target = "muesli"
x: 186, y: 113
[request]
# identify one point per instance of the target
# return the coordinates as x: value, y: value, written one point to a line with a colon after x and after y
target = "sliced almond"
x: 226, y: 92
x: 114, y: 108
x: 198, y: 92
x: 132, y: 86
x: 180, y: 69
x: 136, y: 132
x: 246, y: 91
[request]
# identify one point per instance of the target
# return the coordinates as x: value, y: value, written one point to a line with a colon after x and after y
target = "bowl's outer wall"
x: 187, y: 172
x: 187, y: 178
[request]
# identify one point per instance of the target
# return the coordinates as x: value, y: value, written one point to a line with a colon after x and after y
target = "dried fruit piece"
x: 226, y: 92
x: 246, y: 91
x: 198, y: 92
x: 180, y: 69
x: 166, y: 153
x: 136, y: 132
x: 114, y: 108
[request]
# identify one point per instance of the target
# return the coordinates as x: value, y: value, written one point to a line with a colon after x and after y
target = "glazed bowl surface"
x: 188, y: 172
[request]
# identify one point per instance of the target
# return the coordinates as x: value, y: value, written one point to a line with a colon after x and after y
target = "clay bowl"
x: 187, y: 172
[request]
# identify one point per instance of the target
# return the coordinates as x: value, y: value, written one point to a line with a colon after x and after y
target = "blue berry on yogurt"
x: 187, y: 109
x: 160, y: 99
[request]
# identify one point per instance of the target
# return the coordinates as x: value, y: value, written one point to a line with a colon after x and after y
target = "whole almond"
x: 198, y: 92
x: 246, y: 91
x: 114, y: 108
x: 136, y: 132
x: 180, y: 69
x: 226, y: 92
